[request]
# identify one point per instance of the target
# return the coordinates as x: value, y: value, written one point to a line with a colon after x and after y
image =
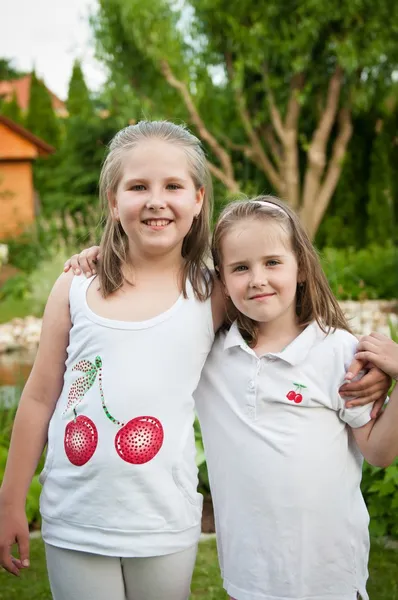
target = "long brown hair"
x: 114, y: 242
x: 314, y: 298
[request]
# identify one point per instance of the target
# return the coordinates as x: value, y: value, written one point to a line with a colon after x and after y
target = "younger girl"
x: 284, y: 453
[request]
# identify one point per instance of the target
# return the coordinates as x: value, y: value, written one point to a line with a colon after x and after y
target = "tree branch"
x: 259, y: 157
x: 204, y: 133
x: 334, y: 169
x: 316, y: 154
x: 230, y: 184
x: 273, y: 144
x: 291, y: 163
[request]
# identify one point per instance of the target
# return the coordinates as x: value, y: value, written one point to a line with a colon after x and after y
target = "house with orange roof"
x: 21, y: 88
x: 18, y: 149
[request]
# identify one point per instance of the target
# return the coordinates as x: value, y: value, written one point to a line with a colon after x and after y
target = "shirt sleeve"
x: 345, y: 348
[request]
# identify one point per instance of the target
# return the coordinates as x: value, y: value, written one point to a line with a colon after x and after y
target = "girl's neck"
x: 274, y: 336
x: 147, y: 267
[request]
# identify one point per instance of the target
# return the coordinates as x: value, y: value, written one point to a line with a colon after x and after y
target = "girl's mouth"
x: 262, y: 296
x: 157, y: 223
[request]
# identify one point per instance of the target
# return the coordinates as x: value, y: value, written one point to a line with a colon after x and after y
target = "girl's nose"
x: 258, y: 279
x: 155, y: 201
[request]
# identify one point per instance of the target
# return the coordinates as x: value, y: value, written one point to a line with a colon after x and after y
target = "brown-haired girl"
x: 284, y: 452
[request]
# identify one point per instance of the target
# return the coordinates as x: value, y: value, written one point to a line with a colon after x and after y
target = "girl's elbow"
x: 381, y: 460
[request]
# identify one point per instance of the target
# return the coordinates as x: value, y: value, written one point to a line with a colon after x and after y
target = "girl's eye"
x: 272, y: 263
x: 139, y: 187
x: 173, y: 186
x: 240, y: 268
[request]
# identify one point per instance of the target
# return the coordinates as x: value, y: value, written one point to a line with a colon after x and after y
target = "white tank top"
x: 120, y: 477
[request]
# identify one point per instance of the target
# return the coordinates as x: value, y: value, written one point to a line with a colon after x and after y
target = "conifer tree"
x: 11, y: 110
x: 41, y: 119
x: 79, y: 101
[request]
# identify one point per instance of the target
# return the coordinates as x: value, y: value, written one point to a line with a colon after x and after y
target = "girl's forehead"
x: 159, y: 156
x: 258, y: 231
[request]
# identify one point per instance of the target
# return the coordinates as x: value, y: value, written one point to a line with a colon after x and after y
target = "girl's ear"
x: 200, y: 194
x: 113, y: 205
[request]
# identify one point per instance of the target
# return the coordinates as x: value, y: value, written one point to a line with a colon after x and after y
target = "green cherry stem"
x: 106, y: 411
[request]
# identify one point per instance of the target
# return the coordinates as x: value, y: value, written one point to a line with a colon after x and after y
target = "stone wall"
x: 371, y: 315
x: 364, y: 317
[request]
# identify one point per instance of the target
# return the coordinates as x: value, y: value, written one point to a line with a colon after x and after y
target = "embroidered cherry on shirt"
x: 139, y: 440
x: 81, y: 439
x: 81, y: 436
x: 294, y: 395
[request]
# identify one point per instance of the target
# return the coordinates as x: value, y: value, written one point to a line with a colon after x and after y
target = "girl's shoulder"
x: 342, y: 343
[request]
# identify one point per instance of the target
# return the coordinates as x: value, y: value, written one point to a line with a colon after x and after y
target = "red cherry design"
x: 80, y: 440
x: 139, y: 440
x: 298, y: 398
x: 291, y: 395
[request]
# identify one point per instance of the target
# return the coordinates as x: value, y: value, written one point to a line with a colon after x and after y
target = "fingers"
x: 73, y: 263
x: 8, y: 562
x: 67, y: 266
x: 354, y: 369
x: 366, y: 356
x: 377, y: 408
x: 23, y: 547
x: 363, y: 400
x: 85, y: 262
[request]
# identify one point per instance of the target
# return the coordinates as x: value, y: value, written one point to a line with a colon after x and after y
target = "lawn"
x: 206, y: 585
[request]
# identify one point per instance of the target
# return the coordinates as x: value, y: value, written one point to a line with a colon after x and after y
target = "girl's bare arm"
x: 29, y: 435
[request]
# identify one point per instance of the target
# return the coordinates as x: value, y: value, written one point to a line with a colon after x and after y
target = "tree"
x: 8, y: 71
x: 11, y: 110
x: 382, y: 203
x: 281, y: 80
x: 41, y: 119
x: 79, y: 101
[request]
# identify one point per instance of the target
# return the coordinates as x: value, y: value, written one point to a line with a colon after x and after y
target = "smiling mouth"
x: 261, y: 296
x: 157, y: 223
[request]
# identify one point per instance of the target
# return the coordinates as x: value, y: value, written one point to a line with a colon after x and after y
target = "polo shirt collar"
x: 295, y: 353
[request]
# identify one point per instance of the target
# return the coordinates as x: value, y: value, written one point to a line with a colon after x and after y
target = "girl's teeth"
x: 157, y: 223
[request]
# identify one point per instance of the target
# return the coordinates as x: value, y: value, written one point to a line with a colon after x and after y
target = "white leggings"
x: 81, y: 576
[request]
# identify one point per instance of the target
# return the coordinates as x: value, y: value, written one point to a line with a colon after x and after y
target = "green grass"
x: 32, y: 585
x: 11, y: 309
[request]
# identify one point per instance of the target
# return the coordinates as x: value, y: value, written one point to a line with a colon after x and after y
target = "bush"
x: 370, y: 273
x: 380, y: 490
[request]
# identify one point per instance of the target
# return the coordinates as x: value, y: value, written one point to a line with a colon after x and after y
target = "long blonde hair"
x: 114, y: 242
x: 314, y: 298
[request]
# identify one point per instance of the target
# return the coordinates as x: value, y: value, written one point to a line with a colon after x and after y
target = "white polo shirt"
x: 284, y: 470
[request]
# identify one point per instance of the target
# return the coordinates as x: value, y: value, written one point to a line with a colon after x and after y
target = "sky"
x: 49, y: 35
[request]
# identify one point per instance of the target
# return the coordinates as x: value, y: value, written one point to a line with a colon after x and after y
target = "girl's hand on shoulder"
x: 14, y: 528
x: 85, y: 262
x: 381, y: 351
x: 372, y: 387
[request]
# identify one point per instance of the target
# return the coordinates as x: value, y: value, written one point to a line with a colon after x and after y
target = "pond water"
x: 14, y: 371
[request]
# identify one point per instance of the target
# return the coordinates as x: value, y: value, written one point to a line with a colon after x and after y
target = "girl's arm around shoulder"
x: 218, y: 303
x: 378, y: 440
x: 30, y: 429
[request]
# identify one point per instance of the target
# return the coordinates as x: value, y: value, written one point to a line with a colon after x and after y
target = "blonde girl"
x: 111, y: 388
